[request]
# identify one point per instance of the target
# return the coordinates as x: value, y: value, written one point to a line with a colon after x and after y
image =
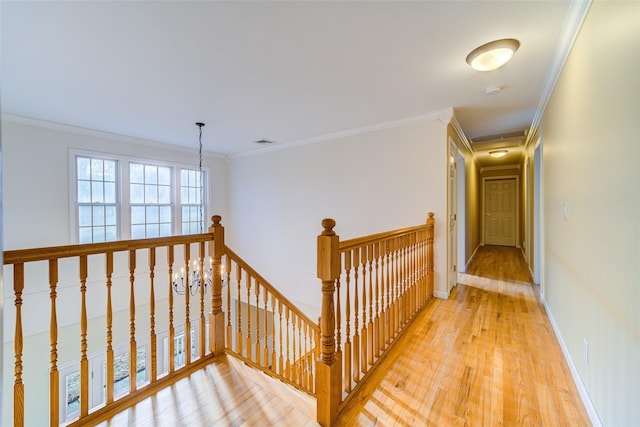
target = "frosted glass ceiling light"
x: 497, y: 154
x: 492, y: 55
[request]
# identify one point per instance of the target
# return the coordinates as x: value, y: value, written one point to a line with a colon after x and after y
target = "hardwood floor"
x: 487, y: 356
x: 226, y: 393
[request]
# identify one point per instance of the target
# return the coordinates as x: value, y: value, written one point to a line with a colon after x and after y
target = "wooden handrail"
x: 245, y: 266
x: 363, y: 241
x: 69, y: 251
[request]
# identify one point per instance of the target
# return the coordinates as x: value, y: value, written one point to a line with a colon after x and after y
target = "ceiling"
x: 282, y: 71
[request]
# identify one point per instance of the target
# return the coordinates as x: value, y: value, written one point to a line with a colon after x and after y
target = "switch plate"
x: 565, y: 211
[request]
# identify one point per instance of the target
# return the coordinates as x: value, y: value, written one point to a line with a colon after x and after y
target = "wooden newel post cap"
x: 216, y: 220
x: 328, y: 225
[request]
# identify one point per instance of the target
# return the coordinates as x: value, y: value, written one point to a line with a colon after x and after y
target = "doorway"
x: 452, y: 238
x: 500, y: 213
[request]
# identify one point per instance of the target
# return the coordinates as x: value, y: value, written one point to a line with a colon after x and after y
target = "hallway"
x: 487, y: 356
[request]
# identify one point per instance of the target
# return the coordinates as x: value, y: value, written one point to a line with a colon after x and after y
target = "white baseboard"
x: 584, y: 395
x: 441, y: 294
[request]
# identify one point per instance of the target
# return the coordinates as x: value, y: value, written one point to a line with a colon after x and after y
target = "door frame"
x: 517, y: 207
x: 462, y: 213
x: 452, y: 209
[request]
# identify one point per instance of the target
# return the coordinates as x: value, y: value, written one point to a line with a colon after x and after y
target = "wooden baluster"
x: 110, y: 376
x: 249, y: 346
x: 229, y: 327
x: 152, y: 314
x: 329, y: 365
x: 238, y: 310
x: 296, y: 354
x: 431, y: 225
x: 347, y: 345
x: 387, y: 273
x: 280, y: 339
x: 18, y: 386
x: 403, y: 278
x: 376, y: 328
x: 274, y: 366
x: 288, y: 365
x: 356, y: 337
x: 54, y: 384
x: 258, y: 349
x: 363, y: 331
x: 370, y: 312
x: 202, y: 323
x: 132, y: 323
x: 265, y: 356
x: 187, y: 307
x: 300, y: 353
x: 172, y: 349
x: 307, y: 370
x: 84, y: 361
x: 338, y: 321
x: 394, y: 287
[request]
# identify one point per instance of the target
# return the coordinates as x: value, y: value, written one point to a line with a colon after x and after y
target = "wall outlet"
x: 586, y: 352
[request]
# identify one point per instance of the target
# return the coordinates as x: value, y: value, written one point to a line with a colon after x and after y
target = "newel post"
x: 328, y: 366
x: 216, y: 317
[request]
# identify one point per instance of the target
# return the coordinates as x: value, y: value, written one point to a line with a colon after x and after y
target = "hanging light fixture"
x: 197, y: 278
x: 492, y: 55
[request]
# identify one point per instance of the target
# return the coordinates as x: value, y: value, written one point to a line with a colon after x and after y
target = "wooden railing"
x: 266, y: 330
x: 371, y: 288
x: 244, y: 314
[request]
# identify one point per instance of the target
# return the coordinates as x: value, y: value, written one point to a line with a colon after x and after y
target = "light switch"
x: 564, y: 210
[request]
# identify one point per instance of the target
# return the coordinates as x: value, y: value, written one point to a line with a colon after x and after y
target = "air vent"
x: 521, y: 134
x: 263, y: 142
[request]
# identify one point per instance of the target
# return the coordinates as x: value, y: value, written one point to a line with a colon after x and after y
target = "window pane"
x: 153, y: 214
x: 137, y: 215
x: 84, y: 216
x: 164, y: 176
x: 165, y: 230
x: 184, y: 195
x: 110, y: 170
x: 111, y: 233
x: 137, y: 231
x: 97, y: 172
x: 137, y: 193
x: 121, y: 374
x: 150, y: 194
x: 111, y: 215
x: 185, y: 213
x: 84, y: 192
x: 84, y: 168
x: 110, y: 192
x: 98, y: 215
x: 192, y: 178
x: 150, y: 174
x: 184, y: 177
x: 185, y: 228
x: 98, y: 234
x: 152, y: 230
x: 72, y: 395
x: 195, y: 213
x: 164, y: 194
x: 194, y: 227
x: 97, y: 195
x: 85, y: 235
x: 136, y: 173
x: 165, y: 213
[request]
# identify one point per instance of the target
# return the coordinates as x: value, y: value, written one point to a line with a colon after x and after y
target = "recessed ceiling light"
x: 498, y: 153
x: 492, y: 55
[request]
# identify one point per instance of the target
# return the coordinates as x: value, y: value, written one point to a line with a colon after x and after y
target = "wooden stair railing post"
x: 216, y: 318
x: 430, y: 234
x: 328, y: 366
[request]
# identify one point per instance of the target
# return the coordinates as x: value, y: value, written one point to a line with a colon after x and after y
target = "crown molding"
x: 341, y: 134
x: 572, y: 23
x: 61, y: 127
x: 465, y: 141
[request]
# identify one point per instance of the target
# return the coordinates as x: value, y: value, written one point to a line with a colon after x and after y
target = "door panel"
x: 500, y: 210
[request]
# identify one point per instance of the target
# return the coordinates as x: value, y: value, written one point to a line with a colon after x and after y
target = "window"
x: 192, y: 207
x: 118, y: 198
x: 150, y: 197
x: 96, y: 196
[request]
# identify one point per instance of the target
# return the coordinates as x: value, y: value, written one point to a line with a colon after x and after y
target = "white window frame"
x: 123, y: 191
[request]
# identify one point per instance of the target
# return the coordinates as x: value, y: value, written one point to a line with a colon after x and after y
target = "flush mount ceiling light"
x: 492, y: 55
x: 498, y: 153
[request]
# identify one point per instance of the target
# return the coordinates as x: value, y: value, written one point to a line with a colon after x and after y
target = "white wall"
x: 368, y: 183
x: 591, y: 162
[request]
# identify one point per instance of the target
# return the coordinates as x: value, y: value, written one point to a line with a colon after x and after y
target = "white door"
x: 500, y: 210
x: 452, y: 275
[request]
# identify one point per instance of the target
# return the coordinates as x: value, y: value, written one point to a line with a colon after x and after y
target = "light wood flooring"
x: 487, y: 356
